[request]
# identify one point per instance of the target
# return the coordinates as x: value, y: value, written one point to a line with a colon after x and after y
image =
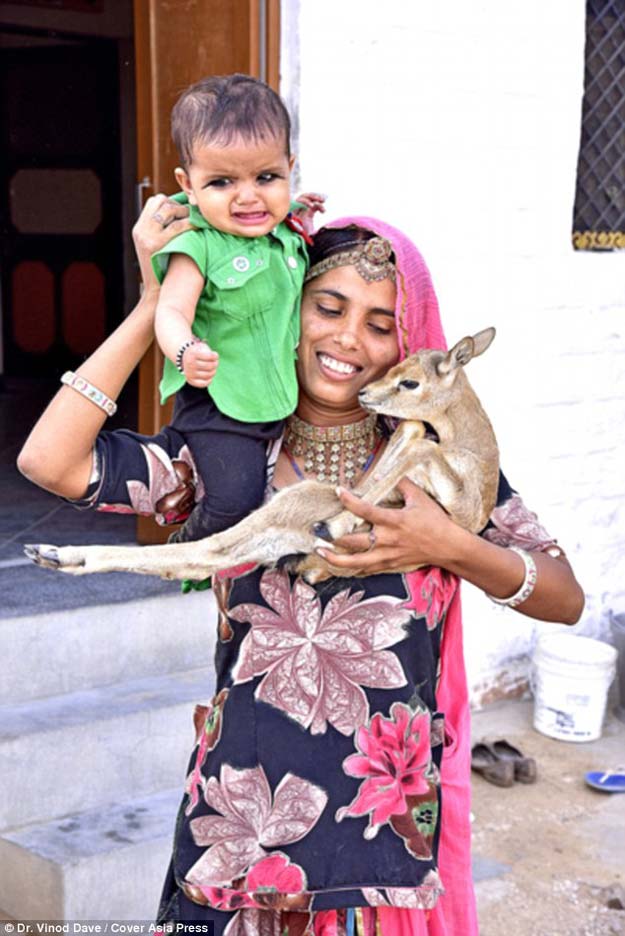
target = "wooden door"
x: 175, y: 45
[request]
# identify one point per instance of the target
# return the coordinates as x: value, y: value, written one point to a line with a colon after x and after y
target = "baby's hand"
x: 314, y: 202
x: 199, y: 364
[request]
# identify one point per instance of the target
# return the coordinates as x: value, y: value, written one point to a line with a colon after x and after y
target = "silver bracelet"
x: 528, y: 584
x: 86, y: 389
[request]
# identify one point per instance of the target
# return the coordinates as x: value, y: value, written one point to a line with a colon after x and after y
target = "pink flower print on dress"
x: 276, y: 884
x: 276, y: 873
x: 208, y: 721
x: 219, y: 898
x: 168, y: 479
x: 273, y: 883
x: 400, y: 779
x: 249, y: 822
x: 514, y: 524
x: 433, y: 590
x: 269, y: 923
x: 423, y: 897
x: 317, y: 661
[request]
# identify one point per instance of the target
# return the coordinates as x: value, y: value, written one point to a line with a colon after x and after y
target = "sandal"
x: 485, y: 761
x: 524, y: 767
x: 608, y: 781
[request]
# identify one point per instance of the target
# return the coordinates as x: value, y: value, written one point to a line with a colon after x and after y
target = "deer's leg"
x: 406, y: 435
x: 168, y: 561
x: 315, y: 569
x: 404, y: 447
x: 458, y: 493
x: 279, y: 528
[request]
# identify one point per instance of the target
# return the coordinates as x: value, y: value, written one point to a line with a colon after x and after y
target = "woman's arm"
x: 58, y: 453
x: 423, y: 534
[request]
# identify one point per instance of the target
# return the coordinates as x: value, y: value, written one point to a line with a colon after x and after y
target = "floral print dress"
x: 313, y: 795
x: 315, y: 784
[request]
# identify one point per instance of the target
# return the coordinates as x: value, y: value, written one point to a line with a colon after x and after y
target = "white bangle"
x: 528, y: 584
x: 86, y: 389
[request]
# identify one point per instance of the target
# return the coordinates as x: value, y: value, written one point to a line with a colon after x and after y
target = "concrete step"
x: 49, y: 654
x: 74, y: 752
x: 102, y: 864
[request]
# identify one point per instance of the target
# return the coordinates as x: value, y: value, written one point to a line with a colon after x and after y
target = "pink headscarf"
x: 419, y: 326
x: 416, y: 308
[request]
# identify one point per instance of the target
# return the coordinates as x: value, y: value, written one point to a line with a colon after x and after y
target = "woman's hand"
x: 159, y: 222
x: 313, y: 202
x: 420, y: 533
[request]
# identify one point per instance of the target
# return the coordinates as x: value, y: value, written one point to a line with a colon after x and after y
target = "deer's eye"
x: 409, y: 384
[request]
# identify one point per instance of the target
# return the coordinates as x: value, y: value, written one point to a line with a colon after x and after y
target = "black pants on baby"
x: 230, y: 457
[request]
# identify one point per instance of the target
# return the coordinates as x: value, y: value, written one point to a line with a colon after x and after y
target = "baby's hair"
x: 328, y: 241
x: 221, y: 107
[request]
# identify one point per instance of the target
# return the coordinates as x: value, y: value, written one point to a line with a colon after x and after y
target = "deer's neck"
x: 464, y: 420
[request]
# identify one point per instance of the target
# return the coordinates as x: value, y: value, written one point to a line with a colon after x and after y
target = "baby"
x: 228, y: 313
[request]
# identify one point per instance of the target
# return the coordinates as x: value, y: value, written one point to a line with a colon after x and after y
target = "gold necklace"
x: 330, y: 450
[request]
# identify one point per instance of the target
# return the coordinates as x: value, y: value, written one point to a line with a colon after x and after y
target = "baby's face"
x: 242, y: 188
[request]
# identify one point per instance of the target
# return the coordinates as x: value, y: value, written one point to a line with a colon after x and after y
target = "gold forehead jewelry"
x: 328, y: 450
x: 371, y: 260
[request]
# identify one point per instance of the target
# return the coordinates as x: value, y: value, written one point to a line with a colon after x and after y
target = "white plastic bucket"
x: 571, y: 679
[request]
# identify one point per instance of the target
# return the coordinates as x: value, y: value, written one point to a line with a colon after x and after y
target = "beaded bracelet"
x: 528, y: 584
x: 86, y: 389
x: 181, y: 351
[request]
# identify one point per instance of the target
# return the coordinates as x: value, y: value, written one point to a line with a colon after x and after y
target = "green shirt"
x: 248, y: 312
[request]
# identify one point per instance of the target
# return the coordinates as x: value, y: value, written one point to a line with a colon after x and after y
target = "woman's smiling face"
x: 348, y: 339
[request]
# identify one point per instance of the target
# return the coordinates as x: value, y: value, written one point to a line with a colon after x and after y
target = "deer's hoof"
x: 48, y: 557
x: 322, y: 530
x: 45, y: 556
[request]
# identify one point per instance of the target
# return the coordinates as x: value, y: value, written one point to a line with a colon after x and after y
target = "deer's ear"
x: 460, y: 354
x: 483, y: 340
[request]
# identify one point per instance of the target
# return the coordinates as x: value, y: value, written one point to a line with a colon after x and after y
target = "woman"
x: 313, y: 797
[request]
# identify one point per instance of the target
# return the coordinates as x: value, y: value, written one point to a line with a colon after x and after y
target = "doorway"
x: 67, y: 130
x: 60, y: 200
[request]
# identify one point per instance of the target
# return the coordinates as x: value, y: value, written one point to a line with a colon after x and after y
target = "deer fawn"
x: 460, y: 469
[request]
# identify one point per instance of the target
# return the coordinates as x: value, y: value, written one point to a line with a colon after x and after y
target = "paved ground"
x: 548, y: 857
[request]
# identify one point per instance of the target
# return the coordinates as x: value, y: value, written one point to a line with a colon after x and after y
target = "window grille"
x: 599, y: 213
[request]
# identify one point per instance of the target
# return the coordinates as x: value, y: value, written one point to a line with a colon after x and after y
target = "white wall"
x: 460, y: 122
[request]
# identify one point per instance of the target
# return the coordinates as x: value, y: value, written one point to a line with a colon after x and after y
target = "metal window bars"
x: 599, y: 213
